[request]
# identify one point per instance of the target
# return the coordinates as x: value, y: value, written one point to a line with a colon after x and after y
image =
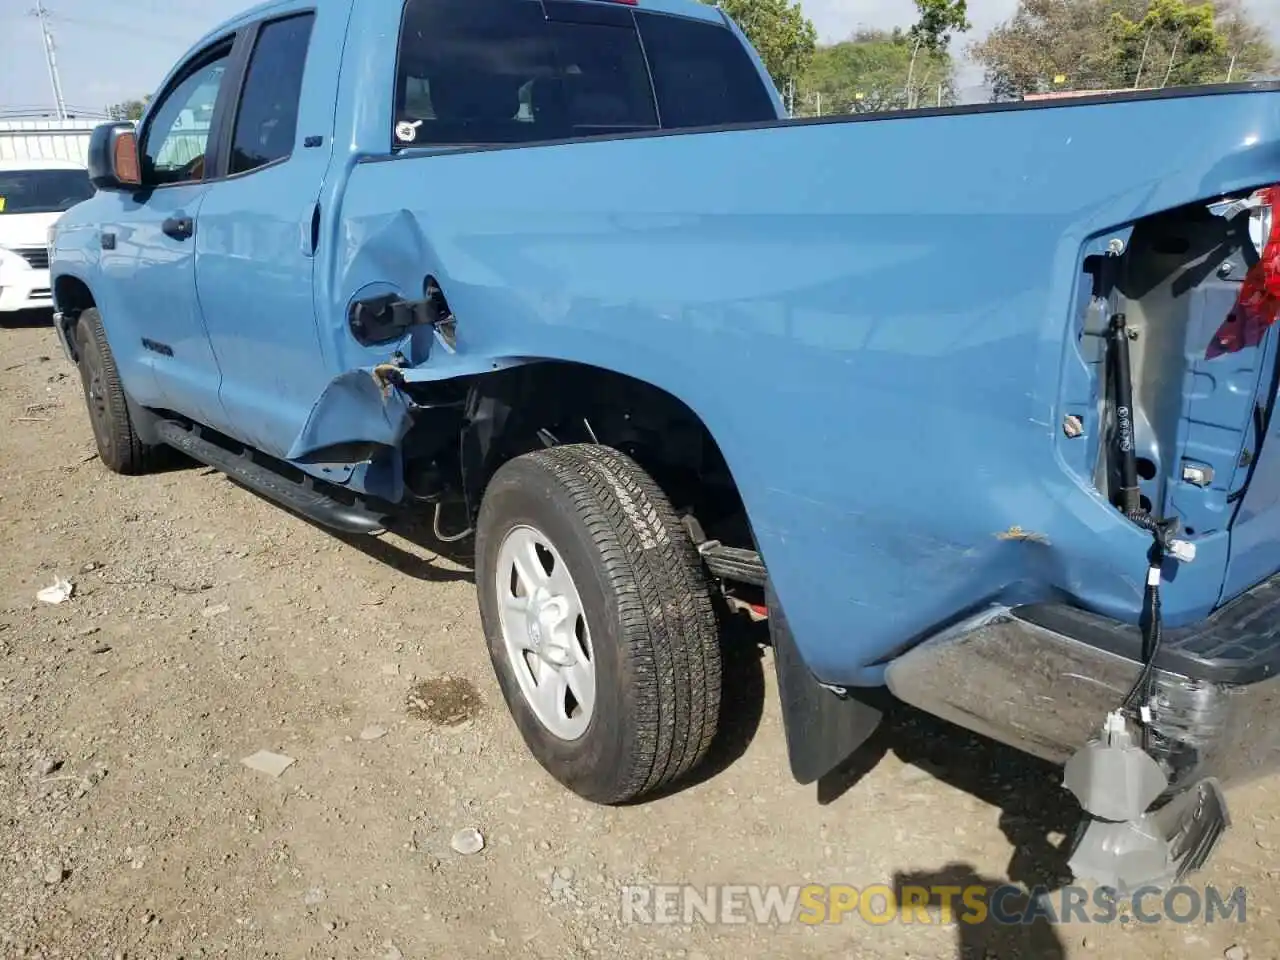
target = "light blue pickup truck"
x: 974, y: 404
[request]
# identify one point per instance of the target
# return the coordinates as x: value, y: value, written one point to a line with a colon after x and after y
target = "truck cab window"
x: 267, y: 118
x: 702, y: 74
x: 498, y: 71
x: 177, y: 134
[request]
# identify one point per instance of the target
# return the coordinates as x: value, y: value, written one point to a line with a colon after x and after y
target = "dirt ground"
x: 207, y: 625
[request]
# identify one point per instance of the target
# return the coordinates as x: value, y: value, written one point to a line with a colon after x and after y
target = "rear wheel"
x: 117, y: 441
x: 599, y: 621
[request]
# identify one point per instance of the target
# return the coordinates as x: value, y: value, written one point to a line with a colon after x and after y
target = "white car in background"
x: 33, y: 195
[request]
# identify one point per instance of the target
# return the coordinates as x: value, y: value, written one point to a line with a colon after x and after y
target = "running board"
x: 302, y: 497
x: 733, y: 563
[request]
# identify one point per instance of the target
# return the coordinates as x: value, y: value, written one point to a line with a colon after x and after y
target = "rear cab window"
x: 702, y: 75
x: 488, y: 72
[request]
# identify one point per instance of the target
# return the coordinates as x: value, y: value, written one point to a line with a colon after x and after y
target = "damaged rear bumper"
x: 1042, y: 678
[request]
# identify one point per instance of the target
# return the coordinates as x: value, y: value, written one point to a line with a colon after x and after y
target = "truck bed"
x: 874, y: 316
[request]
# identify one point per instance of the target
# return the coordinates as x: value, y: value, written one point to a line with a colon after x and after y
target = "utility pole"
x: 51, y: 57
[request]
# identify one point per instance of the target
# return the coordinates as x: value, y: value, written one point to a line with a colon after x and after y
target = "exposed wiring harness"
x: 1163, y: 544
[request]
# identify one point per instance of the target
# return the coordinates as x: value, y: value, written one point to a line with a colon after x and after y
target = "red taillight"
x: 1270, y: 252
x: 1258, y: 305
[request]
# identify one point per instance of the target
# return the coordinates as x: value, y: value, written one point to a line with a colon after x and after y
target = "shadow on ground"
x: 742, y: 693
x: 1034, y: 808
x: 1027, y: 791
x: 419, y: 532
x: 1033, y: 805
x: 979, y: 934
x: 19, y: 319
x: 382, y: 549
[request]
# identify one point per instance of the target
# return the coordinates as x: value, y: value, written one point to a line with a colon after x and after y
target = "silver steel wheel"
x: 545, y: 632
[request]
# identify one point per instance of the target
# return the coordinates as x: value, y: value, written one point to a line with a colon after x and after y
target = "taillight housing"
x: 1257, y: 306
x: 1259, y: 302
x: 1269, y: 250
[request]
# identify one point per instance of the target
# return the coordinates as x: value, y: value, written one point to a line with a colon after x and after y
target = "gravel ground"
x: 207, y: 625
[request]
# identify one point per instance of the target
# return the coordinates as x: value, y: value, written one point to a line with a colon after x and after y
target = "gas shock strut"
x: 1162, y: 531
x: 1122, y: 394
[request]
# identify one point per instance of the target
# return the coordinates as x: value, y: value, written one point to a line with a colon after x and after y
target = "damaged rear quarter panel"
x: 879, y: 363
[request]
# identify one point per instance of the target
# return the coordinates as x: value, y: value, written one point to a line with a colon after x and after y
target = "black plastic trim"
x: 603, y: 14
x: 823, y: 729
x: 157, y: 346
x: 1238, y: 644
x: 220, y: 130
x: 303, y: 497
x: 384, y: 318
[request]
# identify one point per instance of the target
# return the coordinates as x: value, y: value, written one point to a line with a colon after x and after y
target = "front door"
x: 255, y: 250
x: 148, y: 256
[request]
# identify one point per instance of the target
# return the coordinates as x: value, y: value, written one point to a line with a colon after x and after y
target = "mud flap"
x: 823, y: 728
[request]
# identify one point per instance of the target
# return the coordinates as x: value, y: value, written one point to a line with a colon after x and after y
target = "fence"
x: 46, y: 139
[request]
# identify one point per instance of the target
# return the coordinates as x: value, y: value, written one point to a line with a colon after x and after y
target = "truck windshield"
x: 42, y: 191
x: 517, y: 71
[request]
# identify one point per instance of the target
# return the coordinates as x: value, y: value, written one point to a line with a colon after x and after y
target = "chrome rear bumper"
x: 1007, y: 675
x: 1043, y: 678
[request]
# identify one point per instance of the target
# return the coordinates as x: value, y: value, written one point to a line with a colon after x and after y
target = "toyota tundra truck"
x: 973, y: 405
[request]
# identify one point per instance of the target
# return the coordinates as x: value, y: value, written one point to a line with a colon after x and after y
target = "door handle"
x: 180, y: 228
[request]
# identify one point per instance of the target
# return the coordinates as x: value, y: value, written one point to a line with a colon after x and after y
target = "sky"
x: 109, y: 52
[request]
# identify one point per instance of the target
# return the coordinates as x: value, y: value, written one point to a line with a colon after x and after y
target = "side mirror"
x: 113, y: 157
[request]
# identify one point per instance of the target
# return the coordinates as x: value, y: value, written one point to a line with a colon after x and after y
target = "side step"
x: 733, y: 563
x: 299, y: 496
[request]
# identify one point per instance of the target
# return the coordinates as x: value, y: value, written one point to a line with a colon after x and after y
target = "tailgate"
x: 1243, y: 352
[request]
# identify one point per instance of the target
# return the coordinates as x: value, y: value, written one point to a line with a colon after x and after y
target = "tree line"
x: 1046, y: 46
x: 129, y: 109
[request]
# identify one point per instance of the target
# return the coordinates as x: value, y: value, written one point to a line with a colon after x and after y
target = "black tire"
x: 118, y: 445
x: 647, y: 602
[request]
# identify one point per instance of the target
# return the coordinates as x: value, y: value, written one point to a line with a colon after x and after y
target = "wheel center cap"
x: 545, y: 613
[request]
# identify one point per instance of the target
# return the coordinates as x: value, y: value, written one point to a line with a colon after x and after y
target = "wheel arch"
x: 504, y: 413
x: 513, y: 411
x: 71, y: 297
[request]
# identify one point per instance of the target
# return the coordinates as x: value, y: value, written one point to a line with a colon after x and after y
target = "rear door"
x: 259, y: 228
x: 148, y: 246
